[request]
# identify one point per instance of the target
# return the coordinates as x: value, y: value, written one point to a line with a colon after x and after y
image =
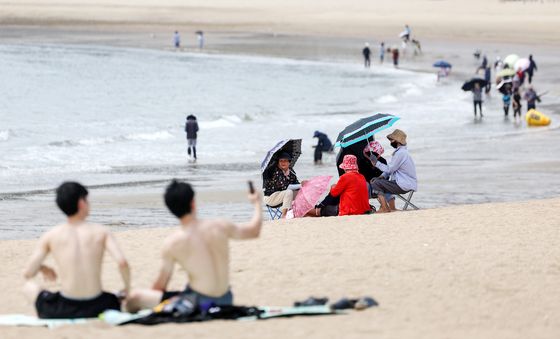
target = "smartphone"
x: 251, y: 187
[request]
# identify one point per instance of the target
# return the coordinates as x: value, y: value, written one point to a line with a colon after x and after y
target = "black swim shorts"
x: 51, y: 305
x: 226, y: 299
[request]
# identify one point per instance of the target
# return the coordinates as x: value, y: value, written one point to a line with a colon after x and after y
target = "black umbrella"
x: 290, y: 146
x: 505, y: 86
x: 469, y: 85
x: 364, y: 165
x: 364, y: 129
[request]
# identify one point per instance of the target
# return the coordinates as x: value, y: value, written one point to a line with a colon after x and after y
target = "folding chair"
x: 274, y: 211
x: 407, y: 200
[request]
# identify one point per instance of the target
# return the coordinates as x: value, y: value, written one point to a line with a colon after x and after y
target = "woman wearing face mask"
x: 399, y: 176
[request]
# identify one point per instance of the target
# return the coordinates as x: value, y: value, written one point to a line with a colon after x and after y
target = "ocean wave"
x: 159, y: 135
x: 5, y: 135
x: 224, y: 121
x: 386, y: 99
x: 411, y: 90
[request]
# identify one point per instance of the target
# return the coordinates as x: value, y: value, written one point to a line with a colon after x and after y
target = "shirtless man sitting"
x: 77, y: 248
x: 200, y: 247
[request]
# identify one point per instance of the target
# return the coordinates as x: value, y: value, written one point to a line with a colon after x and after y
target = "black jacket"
x: 191, y: 127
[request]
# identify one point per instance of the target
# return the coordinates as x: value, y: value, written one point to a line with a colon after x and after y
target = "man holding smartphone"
x: 200, y: 247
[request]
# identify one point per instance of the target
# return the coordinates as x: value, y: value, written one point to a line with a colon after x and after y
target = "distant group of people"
x: 511, y: 86
x: 406, y: 37
x: 199, y: 38
x: 350, y: 196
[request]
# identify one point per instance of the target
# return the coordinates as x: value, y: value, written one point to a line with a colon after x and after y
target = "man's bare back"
x: 77, y: 248
x: 200, y: 247
x: 78, y: 252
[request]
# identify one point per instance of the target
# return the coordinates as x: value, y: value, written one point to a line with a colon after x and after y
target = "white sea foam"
x: 5, y: 135
x: 223, y: 122
x: 159, y: 135
x: 386, y: 99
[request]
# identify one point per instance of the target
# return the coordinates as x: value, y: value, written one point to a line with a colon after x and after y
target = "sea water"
x: 113, y: 118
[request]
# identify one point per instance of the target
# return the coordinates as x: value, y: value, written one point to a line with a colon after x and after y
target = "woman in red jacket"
x: 352, y: 189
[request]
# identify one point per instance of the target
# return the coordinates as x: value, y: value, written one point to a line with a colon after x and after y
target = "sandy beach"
x: 479, y: 271
x: 470, y: 271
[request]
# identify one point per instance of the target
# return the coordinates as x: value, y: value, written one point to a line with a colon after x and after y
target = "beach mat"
x: 147, y: 317
x: 32, y: 321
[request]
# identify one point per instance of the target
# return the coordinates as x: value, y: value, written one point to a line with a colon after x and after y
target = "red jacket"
x: 353, y: 192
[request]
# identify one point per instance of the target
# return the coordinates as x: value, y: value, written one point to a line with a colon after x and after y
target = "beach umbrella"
x: 510, y: 60
x: 364, y: 128
x: 309, y: 194
x: 504, y: 86
x: 290, y: 146
x: 506, y: 72
x: 442, y: 64
x: 522, y: 64
x: 469, y: 85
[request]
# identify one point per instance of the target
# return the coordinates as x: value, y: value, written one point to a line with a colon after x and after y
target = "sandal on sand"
x: 358, y: 304
x: 312, y: 301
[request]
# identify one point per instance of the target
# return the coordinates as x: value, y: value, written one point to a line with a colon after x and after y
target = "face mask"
x: 394, y: 144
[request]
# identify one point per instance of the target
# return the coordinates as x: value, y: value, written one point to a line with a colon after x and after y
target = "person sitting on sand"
x: 77, y: 248
x: 351, y: 188
x: 399, y: 176
x: 200, y: 247
x: 277, y: 184
x: 376, y: 149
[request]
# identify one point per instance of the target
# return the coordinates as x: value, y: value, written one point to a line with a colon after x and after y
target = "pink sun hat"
x: 374, y: 147
x: 349, y: 163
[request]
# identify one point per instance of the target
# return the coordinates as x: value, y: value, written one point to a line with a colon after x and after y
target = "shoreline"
x: 330, y: 49
x: 298, y: 46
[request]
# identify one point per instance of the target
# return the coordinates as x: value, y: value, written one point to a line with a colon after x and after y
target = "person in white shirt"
x: 399, y: 176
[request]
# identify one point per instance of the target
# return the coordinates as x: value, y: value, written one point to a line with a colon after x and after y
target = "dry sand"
x: 480, y: 271
x: 529, y: 21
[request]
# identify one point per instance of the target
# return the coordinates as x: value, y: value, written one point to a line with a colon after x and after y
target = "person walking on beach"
x: 191, y: 128
x: 483, y: 65
x: 381, y: 52
x: 324, y: 144
x: 506, y: 99
x: 532, y: 67
x: 395, y: 52
x: 200, y: 248
x: 200, y: 39
x: 488, y: 78
x: 399, y: 176
x: 498, y: 64
x: 366, y: 53
x: 77, y: 248
x: 177, y: 39
x: 516, y: 103
x: 407, y: 33
x: 477, y: 98
x: 532, y: 98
